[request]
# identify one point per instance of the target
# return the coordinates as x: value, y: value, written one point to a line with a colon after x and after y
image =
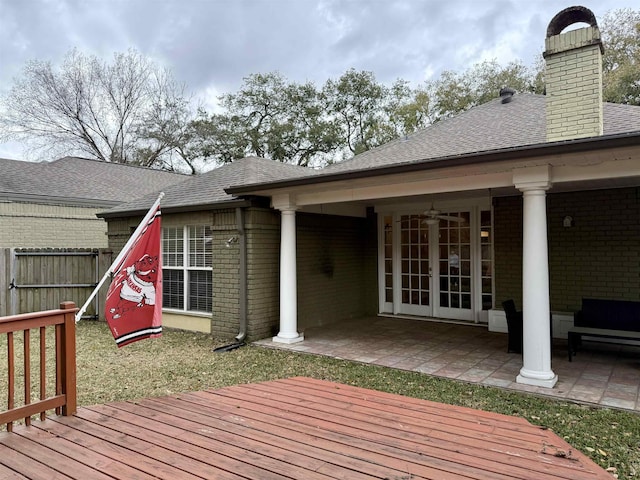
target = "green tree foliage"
x: 127, y: 111
x: 271, y: 118
x: 621, y: 60
x: 454, y: 93
x: 356, y: 100
x: 407, y: 109
x: 305, y: 125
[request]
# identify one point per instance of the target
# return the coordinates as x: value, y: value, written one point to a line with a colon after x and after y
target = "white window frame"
x: 186, y: 269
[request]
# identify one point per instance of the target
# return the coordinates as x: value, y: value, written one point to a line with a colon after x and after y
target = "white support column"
x: 288, y: 281
x: 536, y: 348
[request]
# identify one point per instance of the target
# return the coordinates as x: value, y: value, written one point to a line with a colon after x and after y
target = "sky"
x: 211, y: 45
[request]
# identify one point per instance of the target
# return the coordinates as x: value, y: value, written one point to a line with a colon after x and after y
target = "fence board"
x: 46, y: 277
x: 4, y: 281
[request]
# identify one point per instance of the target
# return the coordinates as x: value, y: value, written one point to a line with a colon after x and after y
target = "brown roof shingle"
x: 207, y: 189
x: 493, y: 126
x: 74, y: 180
x: 487, y: 127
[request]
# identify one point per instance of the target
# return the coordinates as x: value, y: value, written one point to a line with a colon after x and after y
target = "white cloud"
x: 212, y: 44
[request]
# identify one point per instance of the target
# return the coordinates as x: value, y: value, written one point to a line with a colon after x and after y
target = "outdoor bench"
x: 611, y: 319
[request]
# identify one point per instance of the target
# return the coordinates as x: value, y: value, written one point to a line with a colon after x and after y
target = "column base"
x: 538, y: 380
x: 279, y: 339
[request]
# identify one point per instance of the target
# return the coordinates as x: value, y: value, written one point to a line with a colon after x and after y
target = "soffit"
x: 570, y: 171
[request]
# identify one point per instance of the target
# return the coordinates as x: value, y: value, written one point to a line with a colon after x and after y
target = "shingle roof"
x: 207, y: 189
x: 493, y: 126
x: 80, y: 180
x: 487, y: 127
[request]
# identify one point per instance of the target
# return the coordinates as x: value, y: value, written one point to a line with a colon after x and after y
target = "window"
x: 187, y: 273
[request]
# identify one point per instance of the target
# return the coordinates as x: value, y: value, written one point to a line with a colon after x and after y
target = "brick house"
x: 54, y: 204
x: 529, y: 197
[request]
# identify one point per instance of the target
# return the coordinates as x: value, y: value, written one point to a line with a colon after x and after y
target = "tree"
x: 268, y: 117
x: 165, y: 135
x: 454, y: 92
x: 301, y: 124
x: 357, y: 102
x: 621, y: 60
x: 407, y: 109
x: 125, y: 111
x: 304, y: 125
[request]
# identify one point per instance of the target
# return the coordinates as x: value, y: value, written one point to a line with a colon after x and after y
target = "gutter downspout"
x: 242, y: 286
x: 242, y: 272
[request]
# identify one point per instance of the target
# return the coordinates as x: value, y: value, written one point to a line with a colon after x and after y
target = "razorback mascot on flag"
x: 134, y: 300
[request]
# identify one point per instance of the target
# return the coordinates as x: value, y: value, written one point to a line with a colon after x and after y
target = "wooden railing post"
x: 69, y: 358
x: 64, y: 400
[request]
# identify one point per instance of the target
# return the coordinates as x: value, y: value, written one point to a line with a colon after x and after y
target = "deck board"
x: 296, y: 428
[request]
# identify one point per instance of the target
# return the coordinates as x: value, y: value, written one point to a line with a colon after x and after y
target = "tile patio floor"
x: 603, y: 374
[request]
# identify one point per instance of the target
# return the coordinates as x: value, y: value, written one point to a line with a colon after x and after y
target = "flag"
x: 133, y: 308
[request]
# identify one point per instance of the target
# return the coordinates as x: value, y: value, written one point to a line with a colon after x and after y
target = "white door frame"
x: 474, y: 206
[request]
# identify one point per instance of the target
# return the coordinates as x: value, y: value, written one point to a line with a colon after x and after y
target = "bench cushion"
x: 609, y: 314
x: 603, y: 332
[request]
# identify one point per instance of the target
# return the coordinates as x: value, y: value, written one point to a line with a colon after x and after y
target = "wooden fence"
x: 63, y: 398
x: 33, y: 279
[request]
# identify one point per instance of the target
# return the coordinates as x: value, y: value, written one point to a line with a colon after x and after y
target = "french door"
x: 416, y: 280
x: 437, y: 268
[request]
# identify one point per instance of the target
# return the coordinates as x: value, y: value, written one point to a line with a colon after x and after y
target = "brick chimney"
x: 573, y: 76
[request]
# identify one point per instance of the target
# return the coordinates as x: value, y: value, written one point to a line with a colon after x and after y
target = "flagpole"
x: 121, y: 255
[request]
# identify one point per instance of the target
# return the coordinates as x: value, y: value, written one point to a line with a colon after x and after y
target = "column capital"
x: 532, y: 178
x: 284, y: 202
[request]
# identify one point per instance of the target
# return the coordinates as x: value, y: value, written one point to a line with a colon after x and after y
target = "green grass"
x: 183, y: 361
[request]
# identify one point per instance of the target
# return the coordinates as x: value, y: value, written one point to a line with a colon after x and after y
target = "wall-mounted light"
x: 567, y: 221
x: 231, y: 241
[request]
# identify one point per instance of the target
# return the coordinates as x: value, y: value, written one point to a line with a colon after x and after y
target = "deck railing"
x: 64, y: 398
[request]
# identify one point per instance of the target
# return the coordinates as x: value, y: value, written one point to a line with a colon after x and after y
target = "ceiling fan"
x: 433, y: 216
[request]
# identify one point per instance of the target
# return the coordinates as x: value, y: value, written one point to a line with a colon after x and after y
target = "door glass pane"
x: 444, y: 299
x: 455, y: 261
x: 485, y: 218
x: 388, y: 281
x: 466, y: 301
x: 414, y: 253
x: 388, y: 259
x: 486, y: 272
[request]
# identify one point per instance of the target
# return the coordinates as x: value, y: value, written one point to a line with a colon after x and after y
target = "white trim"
x: 288, y: 279
x: 536, y: 348
x: 189, y: 313
x: 474, y: 206
x: 381, y: 265
x: 185, y: 269
x: 397, y: 266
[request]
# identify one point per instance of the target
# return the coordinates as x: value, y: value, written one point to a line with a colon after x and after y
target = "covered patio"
x: 526, y: 197
x: 601, y: 373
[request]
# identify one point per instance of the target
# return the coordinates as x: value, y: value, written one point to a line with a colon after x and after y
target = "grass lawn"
x: 182, y: 361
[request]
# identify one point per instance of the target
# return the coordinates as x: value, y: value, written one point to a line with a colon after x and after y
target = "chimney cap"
x: 506, y: 94
x: 569, y: 16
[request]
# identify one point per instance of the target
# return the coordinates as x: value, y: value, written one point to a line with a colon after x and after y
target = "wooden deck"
x: 296, y: 428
